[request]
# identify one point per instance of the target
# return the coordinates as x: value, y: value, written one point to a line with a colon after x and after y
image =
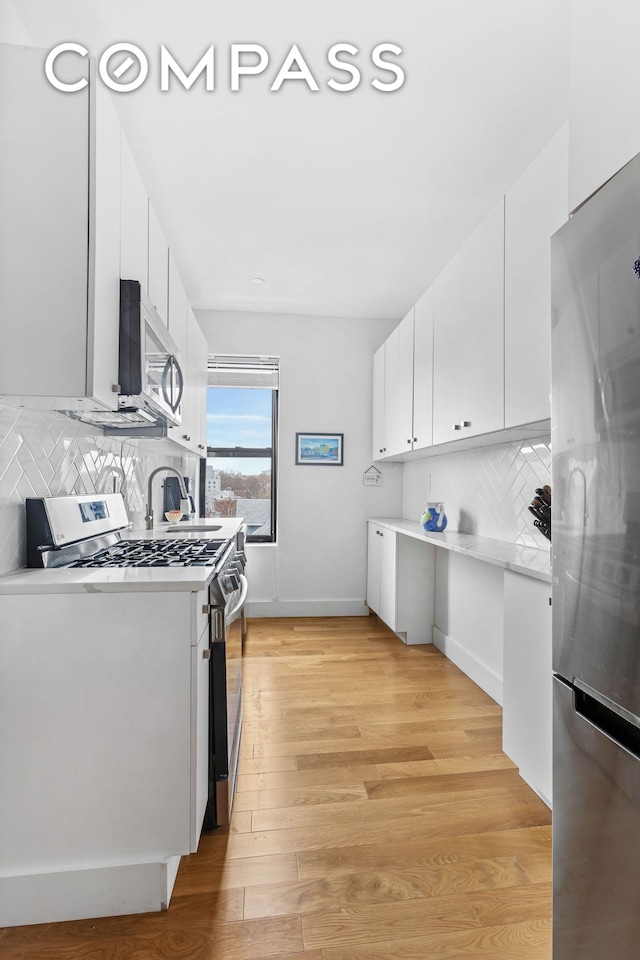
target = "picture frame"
x: 320, y: 449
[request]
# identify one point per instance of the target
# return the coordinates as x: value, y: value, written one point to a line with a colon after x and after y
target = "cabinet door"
x: 44, y: 196
x: 527, y: 683
x: 374, y: 560
x: 388, y: 607
x: 423, y: 372
x: 177, y: 310
x: 104, y: 249
x: 391, y: 370
x: 198, y: 351
x: 158, y: 265
x: 403, y: 440
x: 134, y: 220
x: 468, y: 367
x: 200, y: 736
x: 378, y: 403
x: 177, y: 323
x: 535, y: 207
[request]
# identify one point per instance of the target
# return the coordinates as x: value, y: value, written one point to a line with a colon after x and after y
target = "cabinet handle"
x: 415, y: 439
x: 380, y: 450
x: 206, y: 608
x: 466, y: 423
x: 201, y: 446
x: 185, y: 436
x: 409, y: 440
x: 206, y: 654
x: 457, y: 426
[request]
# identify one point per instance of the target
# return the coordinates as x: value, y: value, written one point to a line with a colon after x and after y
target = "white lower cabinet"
x: 199, y: 730
x: 103, y: 750
x: 527, y: 682
x: 400, y: 583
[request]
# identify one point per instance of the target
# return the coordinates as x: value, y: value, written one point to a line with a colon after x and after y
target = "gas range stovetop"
x: 156, y: 553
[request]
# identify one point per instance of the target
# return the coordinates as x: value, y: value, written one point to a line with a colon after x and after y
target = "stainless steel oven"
x: 227, y: 595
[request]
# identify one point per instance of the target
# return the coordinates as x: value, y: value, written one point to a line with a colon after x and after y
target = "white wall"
x: 486, y: 491
x: 318, y: 566
x: 45, y: 454
x: 12, y: 28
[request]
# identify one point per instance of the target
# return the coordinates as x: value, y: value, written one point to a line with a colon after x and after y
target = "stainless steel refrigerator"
x: 596, y: 575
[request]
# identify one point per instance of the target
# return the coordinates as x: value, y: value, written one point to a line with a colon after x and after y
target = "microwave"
x: 150, y: 376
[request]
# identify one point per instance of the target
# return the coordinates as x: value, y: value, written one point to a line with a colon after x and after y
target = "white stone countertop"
x: 127, y: 579
x: 530, y: 561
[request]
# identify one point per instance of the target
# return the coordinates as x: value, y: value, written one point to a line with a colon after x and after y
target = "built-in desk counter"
x: 486, y: 605
x: 530, y: 561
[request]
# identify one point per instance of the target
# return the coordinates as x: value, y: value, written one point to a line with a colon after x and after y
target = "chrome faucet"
x: 183, y: 491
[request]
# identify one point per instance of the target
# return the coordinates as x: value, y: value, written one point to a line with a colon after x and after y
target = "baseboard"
x: 306, y: 608
x: 479, y: 672
x: 87, y: 892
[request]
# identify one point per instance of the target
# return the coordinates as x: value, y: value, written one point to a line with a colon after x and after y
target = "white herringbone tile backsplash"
x: 485, y: 491
x: 43, y: 453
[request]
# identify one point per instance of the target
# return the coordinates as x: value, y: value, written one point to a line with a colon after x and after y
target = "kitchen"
x: 335, y: 389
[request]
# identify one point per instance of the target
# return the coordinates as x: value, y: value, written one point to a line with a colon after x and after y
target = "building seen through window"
x: 240, y: 469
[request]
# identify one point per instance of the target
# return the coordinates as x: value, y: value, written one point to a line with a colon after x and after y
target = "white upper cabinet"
x: 536, y: 207
x: 134, y: 220
x: 197, y: 355
x: 422, y: 435
x: 398, y: 391
x: 177, y: 309
x: 59, y: 294
x: 391, y: 374
x: 603, y: 112
x: 468, y: 362
x: 158, y: 266
x: 177, y: 323
x: 404, y: 427
x: 378, y: 451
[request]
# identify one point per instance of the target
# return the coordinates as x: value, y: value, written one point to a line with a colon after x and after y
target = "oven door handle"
x: 237, y: 609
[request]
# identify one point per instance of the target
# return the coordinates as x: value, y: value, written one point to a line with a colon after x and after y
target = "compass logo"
x: 124, y: 67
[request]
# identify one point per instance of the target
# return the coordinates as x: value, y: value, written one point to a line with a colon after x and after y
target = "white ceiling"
x: 347, y: 204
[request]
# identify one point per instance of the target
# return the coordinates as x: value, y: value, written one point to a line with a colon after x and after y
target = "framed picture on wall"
x: 320, y: 448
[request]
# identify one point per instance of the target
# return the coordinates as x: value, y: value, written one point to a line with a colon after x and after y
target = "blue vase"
x: 434, y: 519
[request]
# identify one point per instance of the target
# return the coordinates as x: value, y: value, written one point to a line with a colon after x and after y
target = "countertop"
x: 530, y: 561
x: 127, y: 579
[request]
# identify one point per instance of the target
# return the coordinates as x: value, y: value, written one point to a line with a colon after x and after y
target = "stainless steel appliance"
x: 596, y: 575
x: 150, y: 378
x: 85, y: 531
x: 227, y: 596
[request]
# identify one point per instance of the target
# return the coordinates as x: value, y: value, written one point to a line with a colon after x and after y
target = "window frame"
x: 247, y: 453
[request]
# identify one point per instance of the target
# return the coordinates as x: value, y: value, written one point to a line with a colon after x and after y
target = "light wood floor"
x: 376, y: 818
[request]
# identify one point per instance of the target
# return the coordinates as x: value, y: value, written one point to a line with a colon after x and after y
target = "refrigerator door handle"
x: 611, y: 722
x: 607, y: 702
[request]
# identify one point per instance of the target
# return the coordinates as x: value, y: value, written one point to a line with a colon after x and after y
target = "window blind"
x: 243, y: 371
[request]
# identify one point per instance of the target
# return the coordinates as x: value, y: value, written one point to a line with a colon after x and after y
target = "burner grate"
x: 156, y: 553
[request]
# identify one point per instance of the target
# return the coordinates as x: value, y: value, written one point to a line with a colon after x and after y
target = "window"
x: 242, y: 416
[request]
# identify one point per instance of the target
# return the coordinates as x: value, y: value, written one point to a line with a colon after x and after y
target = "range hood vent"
x: 122, y: 419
